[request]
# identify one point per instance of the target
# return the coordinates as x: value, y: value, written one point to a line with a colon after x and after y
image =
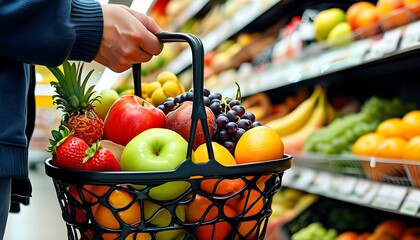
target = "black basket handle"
x: 198, y: 109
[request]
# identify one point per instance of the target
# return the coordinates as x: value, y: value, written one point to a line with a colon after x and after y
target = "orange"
x: 139, y: 236
x: 393, y: 127
x: 355, y: 9
x: 412, y: 149
x: 392, y: 147
x: 348, y: 235
x: 97, y: 191
x: 225, y: 158
x: 202, y: 209
x: 127, y: 210
x: 412, y: 120
x: 391, y: 227
x: 250, y: 204
x: 221, y: 154
x: 259, y: 144
x: 366, y: 144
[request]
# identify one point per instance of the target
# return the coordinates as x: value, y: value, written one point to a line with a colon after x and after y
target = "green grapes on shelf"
x: 315, y: 231
x: 339, y: 136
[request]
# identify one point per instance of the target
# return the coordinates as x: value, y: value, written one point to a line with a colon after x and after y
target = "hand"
x: 128, y: 38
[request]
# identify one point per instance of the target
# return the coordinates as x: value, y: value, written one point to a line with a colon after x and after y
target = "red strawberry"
x: 99, y: 158
x: 68, y: 151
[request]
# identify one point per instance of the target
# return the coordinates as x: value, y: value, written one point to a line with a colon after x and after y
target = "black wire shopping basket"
x: 130, y: 204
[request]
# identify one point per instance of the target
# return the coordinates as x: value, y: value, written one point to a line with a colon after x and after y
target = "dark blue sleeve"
x: 48, y: 32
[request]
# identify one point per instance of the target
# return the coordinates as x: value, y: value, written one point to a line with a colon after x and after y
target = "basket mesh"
x: 200, y: 208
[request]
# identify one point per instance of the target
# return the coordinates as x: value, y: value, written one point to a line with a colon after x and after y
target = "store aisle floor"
x: 41, y: 220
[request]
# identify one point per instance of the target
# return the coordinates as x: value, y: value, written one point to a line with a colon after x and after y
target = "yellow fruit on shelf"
x: 412, y: 149
x: 366, y: 144
x: 391, y: 147
x: 326, y: 20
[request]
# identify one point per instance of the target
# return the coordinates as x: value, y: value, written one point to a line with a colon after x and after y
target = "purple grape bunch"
x: 232, y: 119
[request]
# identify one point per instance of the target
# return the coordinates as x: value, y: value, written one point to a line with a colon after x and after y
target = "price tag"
x: 390, y: 196
x: 379, y: 46
x: 411, y: 35
x: 391, y: 39
x: 357, y: 51
x: 365, y: 190
x: 411, y: 204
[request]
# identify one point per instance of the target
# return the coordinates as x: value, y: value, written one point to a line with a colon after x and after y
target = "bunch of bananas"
x: 166, y: 85
x: 310, y: 115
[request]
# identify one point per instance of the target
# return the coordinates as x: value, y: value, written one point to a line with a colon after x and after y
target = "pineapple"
x: 76, y: 102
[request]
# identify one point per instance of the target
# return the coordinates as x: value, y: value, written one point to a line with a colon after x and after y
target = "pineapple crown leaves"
x: 71, y: 93
x: 58, y: 137
x: 91, y: 151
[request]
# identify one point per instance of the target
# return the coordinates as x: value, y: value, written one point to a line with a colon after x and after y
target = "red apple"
x: 129, y: 116
x: 179, y: 121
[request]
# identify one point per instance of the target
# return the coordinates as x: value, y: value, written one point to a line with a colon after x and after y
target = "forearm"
x: 48, y: 32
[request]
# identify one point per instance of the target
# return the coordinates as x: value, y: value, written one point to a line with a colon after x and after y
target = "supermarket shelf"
x: 386, y: 184
x: 229, y: 28
x: 187, y: 14
x: 394, y: 44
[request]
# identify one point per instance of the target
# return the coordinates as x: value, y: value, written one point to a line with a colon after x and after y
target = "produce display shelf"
x: 242, y: 18
x: 187, y: 14
x: 385, y: 184
x: 317, y: 62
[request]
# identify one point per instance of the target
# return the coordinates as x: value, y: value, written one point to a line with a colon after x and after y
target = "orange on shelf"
x: 394, y: 127
x: 412, y: 119
x: 391, y: 147
x: 355, y: 10
x: 366, y: 144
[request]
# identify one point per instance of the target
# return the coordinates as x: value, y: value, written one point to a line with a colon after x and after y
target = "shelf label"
x: 322, y: 182
x: 380, y: 46
x: 390, y: 196
x: 343, y: 184
x: 411, y: 35
x: 305, y: 177
x: 411, y: 203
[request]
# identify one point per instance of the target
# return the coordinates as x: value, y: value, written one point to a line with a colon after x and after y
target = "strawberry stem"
x: 91, y: 151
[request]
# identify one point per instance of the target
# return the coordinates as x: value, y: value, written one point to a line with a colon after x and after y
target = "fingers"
x: 128, y: 38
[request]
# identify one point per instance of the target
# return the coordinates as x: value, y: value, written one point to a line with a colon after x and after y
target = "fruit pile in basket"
x: 85, y: 141
x: 138, y: 136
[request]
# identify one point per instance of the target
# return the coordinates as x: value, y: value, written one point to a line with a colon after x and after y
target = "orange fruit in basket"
x: 392, y: 147
x: 393, y: 127
x: 221, y: 154
x: 131, y: 236
x: 412, y: 119
x: 367, y: 143
x: 203, y: 209
x: 259, y: 144
x: 412, y: 149
x: 97, y: 191
x: 127, y: 209
x: 248, y: 204
x: 225, y: 158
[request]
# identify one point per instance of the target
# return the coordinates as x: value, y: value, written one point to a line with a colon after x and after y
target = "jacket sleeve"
x: 48, y: 32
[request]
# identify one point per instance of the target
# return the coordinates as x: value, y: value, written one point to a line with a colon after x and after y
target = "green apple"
x: 157, y: 149
x: 159, y: 216
x: 107, y: 98
x: 340, y: 35
x: 326, y: 20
